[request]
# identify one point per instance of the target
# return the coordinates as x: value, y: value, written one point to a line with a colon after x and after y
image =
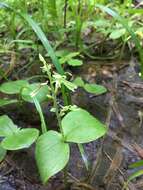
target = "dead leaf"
x: 138, y: 149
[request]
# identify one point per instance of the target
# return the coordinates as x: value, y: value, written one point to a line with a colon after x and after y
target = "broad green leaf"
x: 116, y: 34
x: 136, y: 164
x: 129, y: 29
x: 13, y: 87
x: 2, y: 153
x: 61, y: 53
x: 22, y: 139
x: 95, y: 89
x: 135, y: 175
x: 52, y: 154
x: 4, y: 102
x: 79, y: 126
x: 7, y: 127
x: 68, y: 57
x: 75, y: 62
x: 36, y: 89
x: 79, y: 82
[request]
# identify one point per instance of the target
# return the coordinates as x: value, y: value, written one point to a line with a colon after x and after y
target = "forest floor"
x: 122, y: 111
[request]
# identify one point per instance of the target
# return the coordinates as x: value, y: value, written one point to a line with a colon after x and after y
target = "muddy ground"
x: 121, y: 109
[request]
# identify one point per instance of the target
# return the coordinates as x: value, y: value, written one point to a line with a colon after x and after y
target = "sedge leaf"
x: 135, y: 175
x: 136, y: 164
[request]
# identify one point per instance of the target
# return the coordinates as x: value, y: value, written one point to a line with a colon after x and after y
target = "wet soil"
x: 121, y: 109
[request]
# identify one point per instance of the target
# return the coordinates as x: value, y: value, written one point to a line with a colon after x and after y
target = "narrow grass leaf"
x: 124, y: 23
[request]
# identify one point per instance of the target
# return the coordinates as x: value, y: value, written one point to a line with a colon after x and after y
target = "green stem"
x: 39, y: 109
x: 65, y: 13
x: 83, y: 155
x: 54, y: 99
x: 54, y: 96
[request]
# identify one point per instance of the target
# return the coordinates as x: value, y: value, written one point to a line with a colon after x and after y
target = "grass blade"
x: 128, y: 29
x: 40, y: 35
x: 44, y: 41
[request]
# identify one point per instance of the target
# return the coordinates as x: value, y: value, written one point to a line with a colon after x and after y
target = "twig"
x: 80, y: 184
x: 65, y: 13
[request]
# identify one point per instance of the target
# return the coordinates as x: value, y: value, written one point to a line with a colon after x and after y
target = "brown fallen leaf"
x: 138, y: 149
x: 115, y: 164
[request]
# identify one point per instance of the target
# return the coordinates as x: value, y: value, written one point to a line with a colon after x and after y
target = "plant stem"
x: 54, y: 96
x: 65, y: 13
x: 39, y: 109
x: 83, y: 155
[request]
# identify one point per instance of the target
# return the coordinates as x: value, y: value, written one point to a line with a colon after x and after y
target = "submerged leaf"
x: 52, y: 154
x: 79, y: 126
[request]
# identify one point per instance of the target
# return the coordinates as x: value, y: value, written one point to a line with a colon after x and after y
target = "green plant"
x: 65, y: 57
x: 125, y: 25
x: 75, y: 124
x: 136, y: 174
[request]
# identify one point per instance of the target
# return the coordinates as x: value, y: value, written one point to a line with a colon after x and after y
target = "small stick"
x: 65, y: 13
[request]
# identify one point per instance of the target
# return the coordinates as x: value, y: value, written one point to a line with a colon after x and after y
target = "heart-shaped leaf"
x: 79, y: 126
x: 52, y: 154
x: 95, y: 89
x: 7, y: 127
x: 22, y: 139
x: 13, y: 87
x: 35, y: 88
